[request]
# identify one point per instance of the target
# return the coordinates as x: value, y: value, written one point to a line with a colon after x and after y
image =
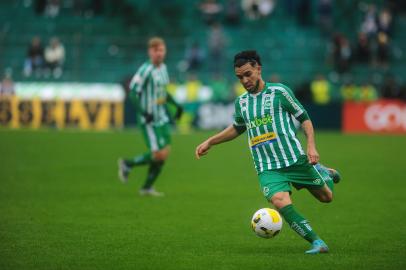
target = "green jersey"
x: 149, y: 88
x: 267, y: 117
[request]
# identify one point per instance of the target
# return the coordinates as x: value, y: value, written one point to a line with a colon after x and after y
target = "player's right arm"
x: 293, y: 106
x: 312, y: 153
x: 138, y: 86
x: 228, y: 134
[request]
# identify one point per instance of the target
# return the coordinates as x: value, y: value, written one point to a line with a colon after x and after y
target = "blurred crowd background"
x: 327, y: 51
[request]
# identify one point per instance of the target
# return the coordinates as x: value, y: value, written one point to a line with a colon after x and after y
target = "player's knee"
x: 280, y: 200
x: 326, y: 198
x: 161, y: 155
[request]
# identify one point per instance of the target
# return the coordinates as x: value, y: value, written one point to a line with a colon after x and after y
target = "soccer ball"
x: 266, y: 223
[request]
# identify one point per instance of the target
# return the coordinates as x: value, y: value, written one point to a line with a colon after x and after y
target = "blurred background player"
x: 265, y: 112
x: 148, y: 92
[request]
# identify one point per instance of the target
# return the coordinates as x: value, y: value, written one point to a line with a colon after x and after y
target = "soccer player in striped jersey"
x: 265, y: 111
x: 148, y: 91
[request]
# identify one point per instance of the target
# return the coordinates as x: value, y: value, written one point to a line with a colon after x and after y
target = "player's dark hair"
x: 250, y: 56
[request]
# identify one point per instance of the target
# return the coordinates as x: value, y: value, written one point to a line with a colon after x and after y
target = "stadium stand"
x: 107, y: 45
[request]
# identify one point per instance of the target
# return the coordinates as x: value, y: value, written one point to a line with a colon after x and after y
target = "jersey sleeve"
x: 239, y: 123
x: 292, y: 105
x: 140, y: 78
x: 138, y: 84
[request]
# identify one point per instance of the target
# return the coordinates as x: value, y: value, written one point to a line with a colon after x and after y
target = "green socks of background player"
x: 153, y: 172
x: 155, y: 167
x: 139, y: 160
x: 298, y: 223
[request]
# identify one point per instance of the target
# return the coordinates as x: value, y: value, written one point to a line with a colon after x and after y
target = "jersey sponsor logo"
x: 262, y: 139
x: 257, y: 122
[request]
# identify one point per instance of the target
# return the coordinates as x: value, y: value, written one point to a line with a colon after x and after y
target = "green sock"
x: 153, y: 172
x: 298, y: 223
x: 139, y: 160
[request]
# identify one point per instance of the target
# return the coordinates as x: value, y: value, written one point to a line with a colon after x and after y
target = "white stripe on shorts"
x: 152, y: 137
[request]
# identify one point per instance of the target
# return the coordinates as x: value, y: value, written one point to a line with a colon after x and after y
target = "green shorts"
x: 300, y: 175
x: 156, y: 136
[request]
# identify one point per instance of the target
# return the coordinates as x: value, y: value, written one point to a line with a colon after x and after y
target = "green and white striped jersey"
x: 267, y: 117
x: 149, y: 86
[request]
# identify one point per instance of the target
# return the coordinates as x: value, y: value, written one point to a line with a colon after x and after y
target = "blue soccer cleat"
x: 318, y: 246
x: 335, y: 175
x: 323, y: 170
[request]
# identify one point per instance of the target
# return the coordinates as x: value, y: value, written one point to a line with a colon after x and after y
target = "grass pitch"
x: 62, y: 206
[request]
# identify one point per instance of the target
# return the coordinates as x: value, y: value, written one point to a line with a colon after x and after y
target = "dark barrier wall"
x: 325, y: 117
x: 129, y: 113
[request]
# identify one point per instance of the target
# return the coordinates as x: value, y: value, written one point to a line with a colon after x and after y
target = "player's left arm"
x: 294, y: 107
x: 312, y: 153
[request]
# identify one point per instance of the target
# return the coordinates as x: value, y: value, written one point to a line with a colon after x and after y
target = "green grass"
x: 62, y: 207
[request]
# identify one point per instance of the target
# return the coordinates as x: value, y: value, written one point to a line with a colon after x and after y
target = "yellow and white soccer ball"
x: 266, y: 223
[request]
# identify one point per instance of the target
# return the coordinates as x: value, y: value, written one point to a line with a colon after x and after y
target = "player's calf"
x: 324, y: 194
x: 326, y: 198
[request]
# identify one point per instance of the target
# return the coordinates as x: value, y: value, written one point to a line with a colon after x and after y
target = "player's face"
x: 249, y: 76
x: 157, y: 54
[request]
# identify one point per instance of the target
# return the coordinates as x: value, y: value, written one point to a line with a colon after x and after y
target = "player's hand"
x: 148, y: 118
x: 179, y: 112
x: 313, y: 155
x: 202, y: 149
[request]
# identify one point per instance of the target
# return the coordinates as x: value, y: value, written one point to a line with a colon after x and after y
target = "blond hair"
x: 155, y: 42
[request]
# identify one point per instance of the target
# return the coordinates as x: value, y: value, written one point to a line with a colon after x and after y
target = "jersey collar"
x: 260, y: 92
